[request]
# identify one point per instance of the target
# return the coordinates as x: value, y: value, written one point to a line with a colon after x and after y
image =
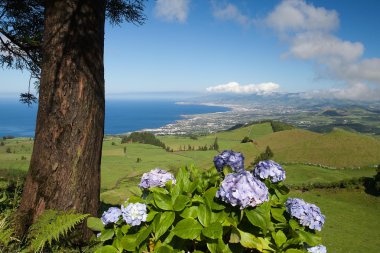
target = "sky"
x: 322, y: 48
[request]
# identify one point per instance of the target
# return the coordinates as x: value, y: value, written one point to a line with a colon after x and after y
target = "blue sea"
x: 122, y: 116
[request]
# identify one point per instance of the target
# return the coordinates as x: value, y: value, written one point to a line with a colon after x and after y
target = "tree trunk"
x: 64, y: 172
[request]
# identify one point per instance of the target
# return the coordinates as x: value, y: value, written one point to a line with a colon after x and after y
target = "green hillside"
x: 338, y: 148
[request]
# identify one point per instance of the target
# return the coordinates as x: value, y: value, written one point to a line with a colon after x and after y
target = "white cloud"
x: 172, y: 10
x: 324, y: 48
x: 232, y: 13
x: 234, y: 87
x: 309, y: 32
x: 297, y: 15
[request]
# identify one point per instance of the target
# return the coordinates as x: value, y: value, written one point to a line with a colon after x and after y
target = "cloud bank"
x: 172, y: 10
x: 230, y: 12
x: 234, y: 87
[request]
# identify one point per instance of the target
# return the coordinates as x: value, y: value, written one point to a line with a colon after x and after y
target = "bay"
x: 122, y: 116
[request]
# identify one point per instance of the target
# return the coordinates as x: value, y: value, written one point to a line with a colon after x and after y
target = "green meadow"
x: 309, y: 158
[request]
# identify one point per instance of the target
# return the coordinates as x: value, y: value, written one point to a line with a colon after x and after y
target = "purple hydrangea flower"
x: 156, y: 177
x: 111, y: 215
x: 269, y: 169
x: 228, y: 157
x: 317, y: 249
x: 308, y: 214
x: 242, y: 189
x: 134, y: 213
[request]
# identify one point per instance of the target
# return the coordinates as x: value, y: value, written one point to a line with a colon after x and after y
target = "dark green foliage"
x: 278, y: 126
x: 215, y: 146
x: 2, y: 144
x: 8, y: 137
x: 266, y: 155
x: 8, y: 150
x: 246, y: 139
x: 143, y: 137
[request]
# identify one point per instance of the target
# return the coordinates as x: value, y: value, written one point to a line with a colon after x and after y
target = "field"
x: 309, y: 158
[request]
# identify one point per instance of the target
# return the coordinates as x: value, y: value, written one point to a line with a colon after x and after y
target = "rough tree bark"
x: 64, y: 172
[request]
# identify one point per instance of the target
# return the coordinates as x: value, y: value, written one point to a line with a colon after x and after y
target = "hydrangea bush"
x: 212, y: 211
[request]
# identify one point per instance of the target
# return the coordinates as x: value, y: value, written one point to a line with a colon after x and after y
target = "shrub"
x: 210, y: 211
x: 143, y: 137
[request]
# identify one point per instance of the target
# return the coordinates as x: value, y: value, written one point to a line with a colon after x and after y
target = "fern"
x: 51, y: 225
x: 5, y: 233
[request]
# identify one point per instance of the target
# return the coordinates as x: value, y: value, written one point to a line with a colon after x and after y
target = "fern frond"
x: 52, y: 225
x: 5, y: 233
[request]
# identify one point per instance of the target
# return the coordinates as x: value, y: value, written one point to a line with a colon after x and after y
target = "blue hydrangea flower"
x: 228, y: 157
x: 242, y: 189
x: 308, y: 214
x: 112, y: 215
x: 317, y: 249
x: 156, y: 178
x: 269, y: 169
x: 134, y: 213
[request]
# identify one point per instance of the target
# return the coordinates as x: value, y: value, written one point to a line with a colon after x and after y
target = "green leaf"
x: 249, y: 241
x: 158, y: 190
x: 180, y: 202
x: 218, y: 216
x: 143, y: 234
x: 188, y: 229
x: 294, y: 251
x: 182, y: 179
x: 257, y: 219
x: 190, y: 212
x: 163, y: 201
x: 235, y: 236
x: 95, y: 224
x: 164, y: 221
x: 198, y: 199
x: 164, y: 249
x: 151, y: 215
x: 204, y: 215
x: 107, y: 249
x: 106, y: 235
x: 128, y: 242
x: 279, y: 238
x: 294, y: 224
x: 209, y: 197
x: 277, y: 214
x: 175, y: 191
x: 309, y: 238
x: 213, y: 231
x: 218, y: 246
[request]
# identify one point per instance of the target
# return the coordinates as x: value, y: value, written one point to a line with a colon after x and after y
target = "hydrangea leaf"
x: 279, y: 238
x: 204, y: 215
x: 183, y: 179
x: 234, y: 236
x: 219, y: 216
x: 213, y: 231
x: 162, y: 223
x: 107, y: 249
x: 188, y: 229
x: 190, y: 212
x: 151, y: 215
x: 209, y: 197
x: 294, y: 251
x: 164, y: 249
x: 309, y: 238
x: 180, y: 202
x: 143, y: 234
x: 163, y: 201
x: 260, y: 216
x: 95, y: 224
x: 278, y: 214
x: 250, y: 241
x: 107, y: 234
x: 128, y: 242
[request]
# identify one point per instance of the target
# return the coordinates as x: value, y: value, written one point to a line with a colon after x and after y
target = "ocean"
x: 122, y: 116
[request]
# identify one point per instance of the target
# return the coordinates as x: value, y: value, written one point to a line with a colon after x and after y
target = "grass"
x: 352, y: 215
x: 352, y: 219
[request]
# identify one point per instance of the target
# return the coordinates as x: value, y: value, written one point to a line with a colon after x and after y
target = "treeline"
x: 214, y: 146
x: 144, y: 138
x: 277, y: 126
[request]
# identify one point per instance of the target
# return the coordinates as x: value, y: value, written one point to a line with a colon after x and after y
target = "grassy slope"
x: 352, y: 219
x: 337, y: 149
